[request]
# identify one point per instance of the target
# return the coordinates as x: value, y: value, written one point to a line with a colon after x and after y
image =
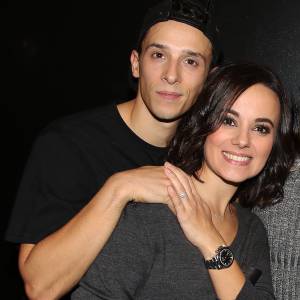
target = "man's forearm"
x: 55, y: 264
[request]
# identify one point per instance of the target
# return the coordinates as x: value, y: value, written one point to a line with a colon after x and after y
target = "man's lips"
x: 169, y: 95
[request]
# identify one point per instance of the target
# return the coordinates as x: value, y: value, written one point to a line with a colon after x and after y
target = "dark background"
x: 61, y: 57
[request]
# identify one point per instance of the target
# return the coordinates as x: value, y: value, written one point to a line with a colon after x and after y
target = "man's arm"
x: 54, y: 265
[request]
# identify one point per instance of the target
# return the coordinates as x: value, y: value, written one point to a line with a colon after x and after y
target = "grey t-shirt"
x: 149, y: 257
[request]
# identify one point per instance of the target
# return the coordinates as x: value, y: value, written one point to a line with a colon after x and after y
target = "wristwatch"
x: 222, y: 260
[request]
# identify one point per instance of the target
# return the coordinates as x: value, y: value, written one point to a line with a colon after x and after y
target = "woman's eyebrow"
x: 261, y: 120
x: 265, y: 120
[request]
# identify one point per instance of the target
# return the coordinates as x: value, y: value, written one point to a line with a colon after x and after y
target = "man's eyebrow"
x: 261, y: 120
x: 185, y: 51
x: 157, y: 45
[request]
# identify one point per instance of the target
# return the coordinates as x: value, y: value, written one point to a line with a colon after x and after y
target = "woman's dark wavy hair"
x: 223, y: 86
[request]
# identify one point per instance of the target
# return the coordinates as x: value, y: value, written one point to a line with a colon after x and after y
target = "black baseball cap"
x: 196, y: 13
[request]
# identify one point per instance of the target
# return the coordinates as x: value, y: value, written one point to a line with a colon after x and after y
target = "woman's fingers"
x: 179, y: 179
x: 176, y: 191
x: 179, y: 188
x: 186, y: 179
x: 175, y: 200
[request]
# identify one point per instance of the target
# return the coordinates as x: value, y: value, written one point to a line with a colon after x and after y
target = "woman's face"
x: 239, y: 149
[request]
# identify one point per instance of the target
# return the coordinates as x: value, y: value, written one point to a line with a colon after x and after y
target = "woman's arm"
x: 195, y: 219
x: 257, y: 266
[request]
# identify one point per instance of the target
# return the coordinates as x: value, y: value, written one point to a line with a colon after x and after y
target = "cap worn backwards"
x: 196, y: 13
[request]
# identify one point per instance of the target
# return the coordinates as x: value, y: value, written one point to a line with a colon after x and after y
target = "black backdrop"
x: 64, y: 56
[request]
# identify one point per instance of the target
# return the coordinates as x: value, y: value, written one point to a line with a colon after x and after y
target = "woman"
x: 207, y: 246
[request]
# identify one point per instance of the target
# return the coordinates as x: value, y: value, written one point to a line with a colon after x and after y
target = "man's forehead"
x: 174, y: 35
x: 197, y: 14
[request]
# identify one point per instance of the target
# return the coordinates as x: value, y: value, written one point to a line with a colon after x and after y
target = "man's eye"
x: 192, y: 62
x: 228, y: 121
x: 157, y: 55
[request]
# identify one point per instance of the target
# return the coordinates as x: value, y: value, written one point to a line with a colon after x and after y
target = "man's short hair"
x: 196, y: 13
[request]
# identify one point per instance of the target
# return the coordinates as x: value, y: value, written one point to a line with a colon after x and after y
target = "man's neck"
x: 144, y: 125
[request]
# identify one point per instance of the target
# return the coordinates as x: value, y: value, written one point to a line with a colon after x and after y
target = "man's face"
x: 172, y: 67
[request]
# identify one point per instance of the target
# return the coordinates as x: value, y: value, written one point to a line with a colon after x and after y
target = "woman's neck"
x: 216, y: 193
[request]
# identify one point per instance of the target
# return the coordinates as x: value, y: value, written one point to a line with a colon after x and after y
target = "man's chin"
x: 166, y: 118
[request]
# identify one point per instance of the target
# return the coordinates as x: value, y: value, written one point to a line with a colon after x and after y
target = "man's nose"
x: 171, y: 73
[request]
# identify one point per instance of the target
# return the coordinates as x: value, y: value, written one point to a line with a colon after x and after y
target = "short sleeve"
x: 57, y: 181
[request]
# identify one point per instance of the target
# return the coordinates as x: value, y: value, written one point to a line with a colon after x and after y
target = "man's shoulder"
x: 92, y: 124
x: 96, y: 117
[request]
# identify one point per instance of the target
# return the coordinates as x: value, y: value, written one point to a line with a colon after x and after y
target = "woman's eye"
x: 228, y: 121
x: 262, y: 129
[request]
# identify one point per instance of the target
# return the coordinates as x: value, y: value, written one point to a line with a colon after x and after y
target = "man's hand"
x: 145, y: 184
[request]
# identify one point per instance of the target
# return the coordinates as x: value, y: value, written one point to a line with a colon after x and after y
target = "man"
x: 75, y: 185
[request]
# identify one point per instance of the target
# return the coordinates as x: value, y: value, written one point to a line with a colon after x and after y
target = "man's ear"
x: 213, y: 69
x: 135, y: 65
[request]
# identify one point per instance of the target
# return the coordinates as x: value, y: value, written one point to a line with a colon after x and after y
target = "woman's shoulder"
x: 153, y: 222
x: 149, y: 213
x: 248, y: 218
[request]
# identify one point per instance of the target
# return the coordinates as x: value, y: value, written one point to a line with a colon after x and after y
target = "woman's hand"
x: 192, y: 212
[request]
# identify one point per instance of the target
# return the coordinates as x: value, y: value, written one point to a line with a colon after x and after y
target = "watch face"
x: 226, y: 257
